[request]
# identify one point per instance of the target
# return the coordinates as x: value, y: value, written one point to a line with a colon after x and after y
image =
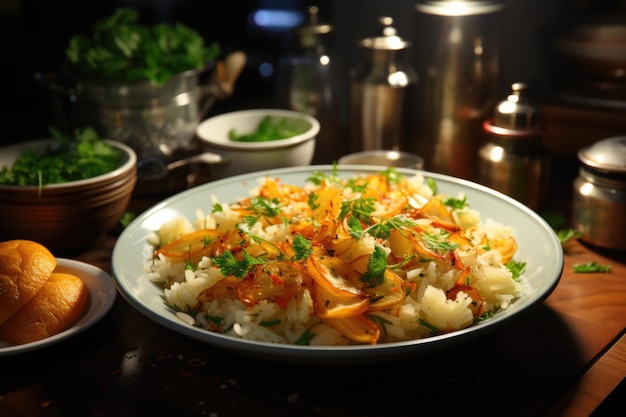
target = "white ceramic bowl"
x: 244, y: 157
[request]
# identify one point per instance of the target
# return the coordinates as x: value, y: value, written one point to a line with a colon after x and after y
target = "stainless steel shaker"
x: 380, y: 92
x: 457, y: 55
x: 599, y: 194
x: 309, y: 80
x: 513, y: 159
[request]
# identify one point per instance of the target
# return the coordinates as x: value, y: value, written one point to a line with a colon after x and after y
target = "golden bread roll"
x: 24, y: 268
x: 57, y: 304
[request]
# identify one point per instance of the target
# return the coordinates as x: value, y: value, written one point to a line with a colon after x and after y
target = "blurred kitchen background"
x: 580, y: 104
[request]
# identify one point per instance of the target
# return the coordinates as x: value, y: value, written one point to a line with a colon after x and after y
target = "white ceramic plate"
x: 538, y: 246
x: 102, y: 295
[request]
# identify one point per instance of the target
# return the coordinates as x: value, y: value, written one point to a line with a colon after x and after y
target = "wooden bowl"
x: 65, y: 217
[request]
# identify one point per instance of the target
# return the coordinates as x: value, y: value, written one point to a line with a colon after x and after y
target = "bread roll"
x: 53, y: 309
x: 24, y: 268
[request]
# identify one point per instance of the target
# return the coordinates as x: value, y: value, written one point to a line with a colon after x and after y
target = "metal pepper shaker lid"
x: 312, y: 28
x: 387, y: 39
x: 516, y: 112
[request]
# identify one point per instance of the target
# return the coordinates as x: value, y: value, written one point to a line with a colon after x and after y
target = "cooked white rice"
x: 426, y: 310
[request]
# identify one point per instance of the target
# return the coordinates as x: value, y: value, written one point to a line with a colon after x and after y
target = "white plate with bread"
x: 68, y: 297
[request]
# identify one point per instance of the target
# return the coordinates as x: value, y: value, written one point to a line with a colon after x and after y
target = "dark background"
x: 34, y: 34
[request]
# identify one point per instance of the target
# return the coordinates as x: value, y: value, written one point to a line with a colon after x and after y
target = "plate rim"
x: 352, y: 353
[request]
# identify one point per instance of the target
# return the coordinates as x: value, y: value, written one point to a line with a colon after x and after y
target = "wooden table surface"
x: 562, y: 358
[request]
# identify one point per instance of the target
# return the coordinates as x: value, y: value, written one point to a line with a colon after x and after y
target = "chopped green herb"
x: 438, y: 242
x: 516, y: 268
x: 267, y: 130
x: 565, y: 235
x: 355, y: 228
x: 305, y: 338
x: 268, y: 207
x: 433, y: 329
x: 591, y: 267
x: 360, y: 208
x: 270, y: 323
x: 381, y: 321
x: 382, y: 229
x: 555, y: 219
x: 303, y: 247
x: 312, y: 201
x: 127, y: 218
x: 393, y: 177
x: 229, y: 265
x: 432, y: 184
x: 455, y: 203
x: 376, y: 267
x: 86, y: 155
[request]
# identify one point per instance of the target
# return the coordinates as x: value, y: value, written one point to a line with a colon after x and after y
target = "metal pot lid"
x: 387, y: 39
x: 607, y: 154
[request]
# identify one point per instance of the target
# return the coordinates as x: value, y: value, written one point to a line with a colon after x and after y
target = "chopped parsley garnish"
x: 516, y: 268
x: 566, y: 235
x: 270, y: 323
x: 267, y: 207
x: 376, y: 267
x: 432, y: 184
x: 393, y: 177
x: 127, y: 218
x: 318, y: 177
x: 360, y: 208
x: 382, y: 229
x: 433, y: 329
x: 438, y: 242
x: 229, y: 265
x: 312, y: 201
x: 591, y: 267
x: 381, y: 321
x: 455, y: 203
x: 303, y: 248
x: 305, y: 338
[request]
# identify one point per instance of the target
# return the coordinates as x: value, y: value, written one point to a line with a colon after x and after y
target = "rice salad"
x: 372, y: 259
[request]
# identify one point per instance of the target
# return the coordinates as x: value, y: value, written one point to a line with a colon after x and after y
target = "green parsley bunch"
x: 122, y: 48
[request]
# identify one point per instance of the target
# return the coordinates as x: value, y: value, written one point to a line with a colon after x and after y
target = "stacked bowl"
x: 65, y: 217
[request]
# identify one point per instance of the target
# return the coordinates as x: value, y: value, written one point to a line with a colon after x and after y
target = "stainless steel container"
x: 155, y: 120
x: 513, y: 159
x: 380, y: 92
x: 599, y: 194
x: 383, y: 157
x: 309, y: 80
x: 457, y: 55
